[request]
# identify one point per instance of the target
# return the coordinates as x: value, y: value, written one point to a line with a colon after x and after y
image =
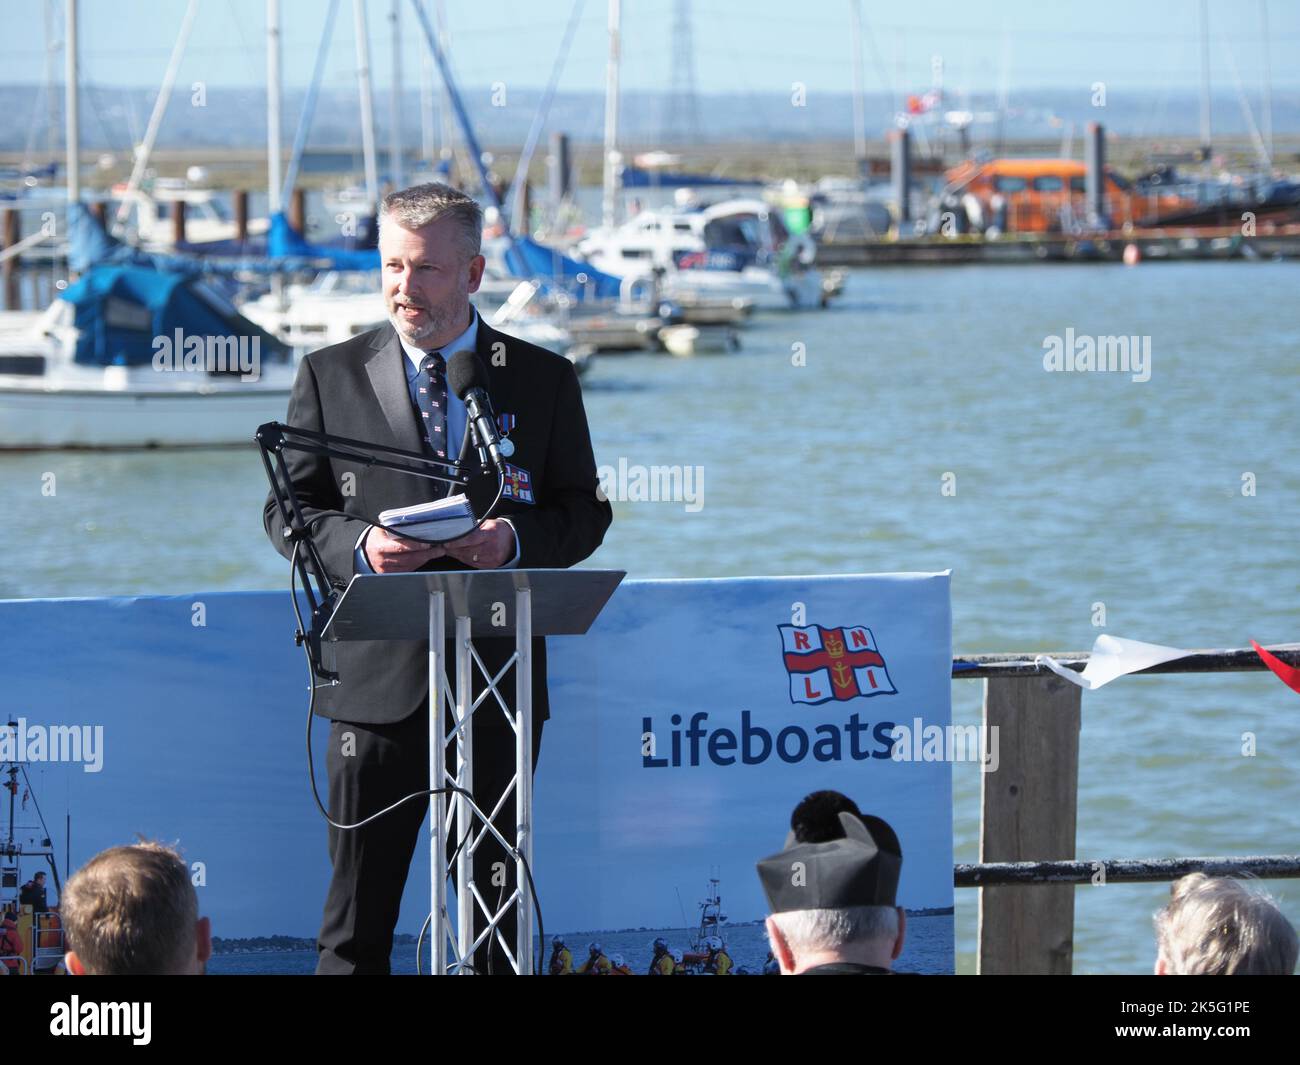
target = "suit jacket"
x: 358, y: 389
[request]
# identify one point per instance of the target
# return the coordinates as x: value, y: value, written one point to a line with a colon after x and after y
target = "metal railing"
x: 1029, y: 809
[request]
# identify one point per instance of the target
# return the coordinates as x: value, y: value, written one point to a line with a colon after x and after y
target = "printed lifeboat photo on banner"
x: 827, y: 665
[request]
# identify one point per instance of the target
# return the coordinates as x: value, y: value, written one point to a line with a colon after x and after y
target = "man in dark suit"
x: 389, y: 386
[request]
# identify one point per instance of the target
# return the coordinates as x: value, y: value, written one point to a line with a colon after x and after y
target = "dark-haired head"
x: 817, y: 818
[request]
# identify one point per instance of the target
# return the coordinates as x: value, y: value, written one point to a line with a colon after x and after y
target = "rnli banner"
x: 692, y: 719
x: 685, y: 726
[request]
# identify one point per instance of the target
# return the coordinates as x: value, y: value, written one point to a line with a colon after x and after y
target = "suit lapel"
x: 394, y: 424
x: 387, y: 375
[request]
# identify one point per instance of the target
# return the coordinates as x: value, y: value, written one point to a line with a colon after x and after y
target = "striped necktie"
x: 431, y: 396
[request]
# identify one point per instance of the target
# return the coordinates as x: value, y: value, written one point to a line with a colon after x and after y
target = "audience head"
x: 1216, y: 926
x: 832, y: 891
x: 132, y: 910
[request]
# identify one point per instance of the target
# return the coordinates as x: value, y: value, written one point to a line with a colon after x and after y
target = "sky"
x: 743, y: 46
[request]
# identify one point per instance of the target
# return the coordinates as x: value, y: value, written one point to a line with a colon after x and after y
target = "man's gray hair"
x: 1216, y: 926
x: 422, y: 205
x: 816, y: 931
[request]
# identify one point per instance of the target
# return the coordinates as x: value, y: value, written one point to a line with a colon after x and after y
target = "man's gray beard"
x: 437, y: 322
x: 403, y: 329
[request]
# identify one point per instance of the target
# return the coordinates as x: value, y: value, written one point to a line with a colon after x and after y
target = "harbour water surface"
x: 913, y: 427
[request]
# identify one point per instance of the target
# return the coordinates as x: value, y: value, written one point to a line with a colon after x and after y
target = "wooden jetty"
x: 1028, y: 811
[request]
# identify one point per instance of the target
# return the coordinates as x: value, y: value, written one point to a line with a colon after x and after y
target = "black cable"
x: 419, y: 939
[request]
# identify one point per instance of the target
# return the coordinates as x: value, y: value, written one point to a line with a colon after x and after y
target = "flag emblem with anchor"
x: 833, y: 664
x: 518, y: 484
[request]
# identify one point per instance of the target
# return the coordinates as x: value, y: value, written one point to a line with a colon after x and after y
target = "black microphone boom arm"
x: 274, y: 439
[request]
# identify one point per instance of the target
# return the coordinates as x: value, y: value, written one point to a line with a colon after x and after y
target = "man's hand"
x: 491, y: 545
x: 388, y: 553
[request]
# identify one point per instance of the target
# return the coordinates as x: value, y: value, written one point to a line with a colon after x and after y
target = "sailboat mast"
x: 609, y: 205
x: 51, y: 69
x: 859, y: 108
x: 73, y: 117
x: 367, y: 104
x: 447, y: 151
x: 1267, y: 117
x: 426, y: 108
x: 273, y: 160
x: 1205, y: 82
x: 145, y: 149
x: 13, y: 792
x: 395, y: 102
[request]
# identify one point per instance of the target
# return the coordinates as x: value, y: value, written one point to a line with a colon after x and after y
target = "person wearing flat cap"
x: 832, y: 891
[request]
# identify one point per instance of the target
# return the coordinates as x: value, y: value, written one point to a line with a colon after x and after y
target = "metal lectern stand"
x: 525, y: 603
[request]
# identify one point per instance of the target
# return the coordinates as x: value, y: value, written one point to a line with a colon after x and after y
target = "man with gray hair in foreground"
x: 1216, y: 926
x: 133, y: 911
x: 832, y: 891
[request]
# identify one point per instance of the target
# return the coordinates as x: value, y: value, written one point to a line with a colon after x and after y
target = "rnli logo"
x: 516, y: 484
x: 827, y: 665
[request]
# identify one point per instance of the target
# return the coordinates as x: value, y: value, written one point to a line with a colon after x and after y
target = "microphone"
x: 467, y: 378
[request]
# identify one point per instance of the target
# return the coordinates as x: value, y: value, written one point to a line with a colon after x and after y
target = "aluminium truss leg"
x: 465, y: 779
x: 524, y: 775
x: 437, y: 777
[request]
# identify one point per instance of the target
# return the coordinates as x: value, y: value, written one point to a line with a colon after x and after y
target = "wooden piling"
x: 1028, y: 813
x: 240, y: 199
x: 298, y: 209
x: 9, y: 269
x: 178, y: 222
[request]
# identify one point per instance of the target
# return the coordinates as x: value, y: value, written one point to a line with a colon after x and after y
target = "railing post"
x: 1028, y: 812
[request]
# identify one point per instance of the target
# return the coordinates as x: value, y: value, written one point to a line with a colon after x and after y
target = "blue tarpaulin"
x: 122, y: 310
x: 634, y: 178
x: 553, y: 269
x: 88, y: 244
x: 285, y: 242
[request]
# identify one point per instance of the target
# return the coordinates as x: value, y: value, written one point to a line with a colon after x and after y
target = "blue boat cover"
x: 124, y: 312
x: 88, y: 244
x: 635, y: 178
x: 285, y: 242
x: 555, y: 270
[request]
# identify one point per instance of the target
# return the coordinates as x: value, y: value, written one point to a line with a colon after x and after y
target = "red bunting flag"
x: 1289, y: 675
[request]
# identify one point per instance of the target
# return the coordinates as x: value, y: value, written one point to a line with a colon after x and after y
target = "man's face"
x: 427, y: 279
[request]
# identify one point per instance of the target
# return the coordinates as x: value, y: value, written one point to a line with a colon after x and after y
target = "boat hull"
x: 34, y: 420
x: 763, y: 289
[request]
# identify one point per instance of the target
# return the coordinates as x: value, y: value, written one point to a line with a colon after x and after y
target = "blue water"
x: 1072, y: 490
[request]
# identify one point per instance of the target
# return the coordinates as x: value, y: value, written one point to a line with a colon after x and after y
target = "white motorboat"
x: 339, y: 305
x: 686, y: 340
x: 735, y: 249
x: 331, y: 309
x: 127, y: 360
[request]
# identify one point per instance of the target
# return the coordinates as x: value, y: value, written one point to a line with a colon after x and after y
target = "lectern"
x: 496, y: 603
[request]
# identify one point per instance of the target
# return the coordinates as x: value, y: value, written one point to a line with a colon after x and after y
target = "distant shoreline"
x: 233, y: 167
x: 278, y: 944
